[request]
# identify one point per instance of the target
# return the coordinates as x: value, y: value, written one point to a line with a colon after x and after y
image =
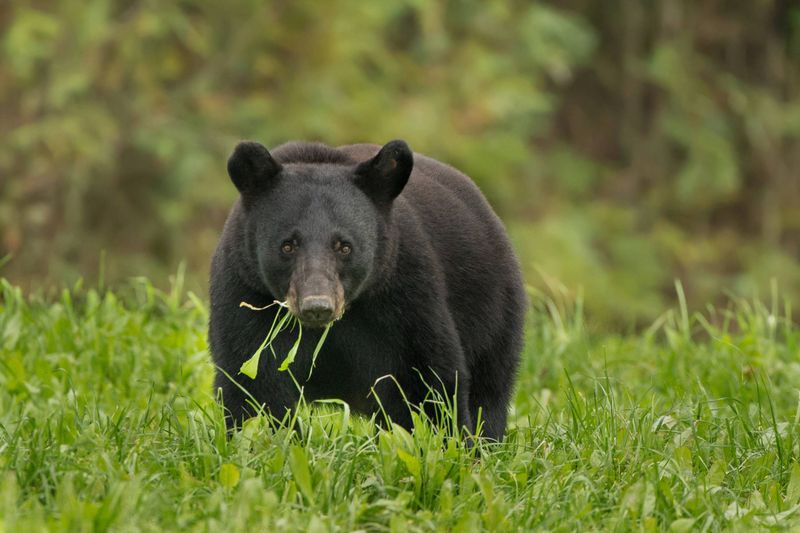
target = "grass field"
x: 108, y: 422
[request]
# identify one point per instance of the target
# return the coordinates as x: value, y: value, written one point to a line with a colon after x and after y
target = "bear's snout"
x: 316, y: 310
x: 315, y: 296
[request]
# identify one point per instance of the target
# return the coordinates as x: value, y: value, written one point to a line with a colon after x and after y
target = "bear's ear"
x: 251, y: 168
x: 384, y: 176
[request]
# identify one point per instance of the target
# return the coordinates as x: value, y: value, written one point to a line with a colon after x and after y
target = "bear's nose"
x: 316, y: 309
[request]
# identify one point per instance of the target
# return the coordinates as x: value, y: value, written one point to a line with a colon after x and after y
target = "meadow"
x: 108, y: 423
x: 624, y: 145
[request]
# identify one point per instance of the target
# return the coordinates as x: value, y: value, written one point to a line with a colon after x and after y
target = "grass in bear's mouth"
x: 284, y: 320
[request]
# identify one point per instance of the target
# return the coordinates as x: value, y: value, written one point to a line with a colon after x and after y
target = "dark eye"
x: 345, y: 248
x: 288, y: 247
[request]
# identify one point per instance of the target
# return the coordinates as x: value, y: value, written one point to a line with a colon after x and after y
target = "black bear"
x: 402, y: 251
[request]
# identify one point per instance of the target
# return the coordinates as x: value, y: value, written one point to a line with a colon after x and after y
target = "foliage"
x: 625, y: 143
x: 107, y: 422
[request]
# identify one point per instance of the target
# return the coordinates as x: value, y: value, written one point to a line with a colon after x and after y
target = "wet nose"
x: 316, y: 309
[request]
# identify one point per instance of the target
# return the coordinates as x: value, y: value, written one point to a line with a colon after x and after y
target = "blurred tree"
x: 625, y: 143
x: 700, y: 109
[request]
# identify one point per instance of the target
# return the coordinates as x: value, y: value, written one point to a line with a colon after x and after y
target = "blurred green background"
x: 625, y: 143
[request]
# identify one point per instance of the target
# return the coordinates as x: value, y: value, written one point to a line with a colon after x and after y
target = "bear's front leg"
x: 432, y: 378
x: 449, y: 384
x: 434, y: 392
x: 441, y: 364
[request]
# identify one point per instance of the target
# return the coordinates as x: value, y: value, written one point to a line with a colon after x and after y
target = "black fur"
x: 431, y: 290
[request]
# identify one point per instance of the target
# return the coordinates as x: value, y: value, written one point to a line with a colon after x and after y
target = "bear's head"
x: 317, y: 231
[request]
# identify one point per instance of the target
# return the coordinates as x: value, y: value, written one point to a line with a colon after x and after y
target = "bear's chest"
x: 356, y: 354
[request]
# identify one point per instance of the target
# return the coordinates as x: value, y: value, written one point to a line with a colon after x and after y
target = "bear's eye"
x: 288, y: 247
x: 344, y: 248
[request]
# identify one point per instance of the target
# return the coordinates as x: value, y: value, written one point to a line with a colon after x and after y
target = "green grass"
x: 108, y: 422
